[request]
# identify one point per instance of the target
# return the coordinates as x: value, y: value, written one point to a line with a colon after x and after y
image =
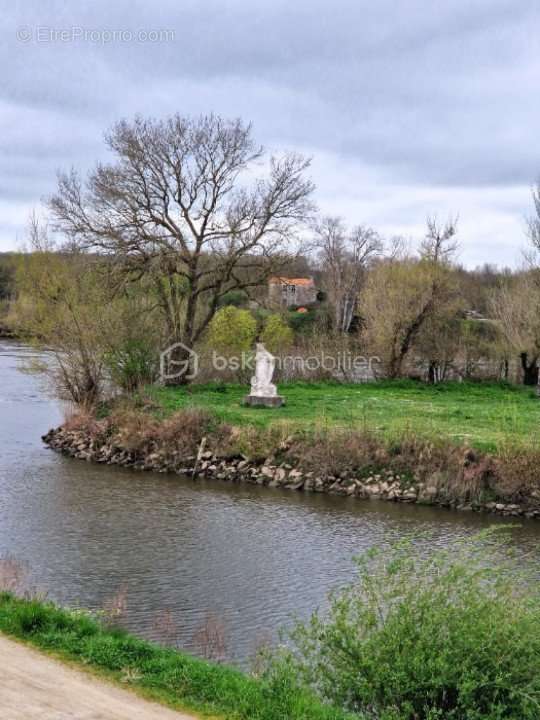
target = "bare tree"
x: 95, y: 334
x: 439, y: 243
x: 534, y: 221
x: 61, y: 304
x: 179, y: 204
x: 515, y: 305
x: 403, y: 295
x: 344, y: 257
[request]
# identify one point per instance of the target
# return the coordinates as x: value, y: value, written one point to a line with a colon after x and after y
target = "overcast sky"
x: 408, y: 108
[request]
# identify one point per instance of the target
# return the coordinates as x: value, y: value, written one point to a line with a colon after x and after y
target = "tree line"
x: 173, y: 241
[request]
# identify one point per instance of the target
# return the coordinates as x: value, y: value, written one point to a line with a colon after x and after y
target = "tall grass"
x: 162, y: 674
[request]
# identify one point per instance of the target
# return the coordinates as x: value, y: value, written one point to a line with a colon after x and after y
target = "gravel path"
x: 34, y: 686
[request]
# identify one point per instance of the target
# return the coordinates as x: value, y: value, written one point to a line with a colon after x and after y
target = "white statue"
x: 261, y: 382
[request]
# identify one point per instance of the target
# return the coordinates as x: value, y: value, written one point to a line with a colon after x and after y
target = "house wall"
x: 285, y: 294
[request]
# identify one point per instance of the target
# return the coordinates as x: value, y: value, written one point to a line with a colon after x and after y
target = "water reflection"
x: 183, y: 550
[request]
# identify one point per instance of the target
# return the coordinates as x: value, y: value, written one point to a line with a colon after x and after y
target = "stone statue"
x: 263, y: 391
x: 261, y: 382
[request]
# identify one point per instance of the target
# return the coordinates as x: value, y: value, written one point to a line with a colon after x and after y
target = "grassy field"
x: 165, y: 675
x: 484, y: 415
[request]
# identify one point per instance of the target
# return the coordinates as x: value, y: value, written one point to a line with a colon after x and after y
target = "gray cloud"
x: 422, y: 103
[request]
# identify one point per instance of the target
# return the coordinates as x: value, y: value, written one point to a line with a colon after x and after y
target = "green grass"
x: 168, y: 676
x: 484, y: 415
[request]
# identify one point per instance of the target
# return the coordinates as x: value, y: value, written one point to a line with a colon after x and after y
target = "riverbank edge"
x: 384, y: 485
x: 6, y: 333
x: 164, y: 675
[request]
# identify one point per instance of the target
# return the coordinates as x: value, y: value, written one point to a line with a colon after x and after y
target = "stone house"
x: 287, y: 292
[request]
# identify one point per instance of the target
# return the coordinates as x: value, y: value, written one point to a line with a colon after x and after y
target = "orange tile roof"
x: 291, y: 281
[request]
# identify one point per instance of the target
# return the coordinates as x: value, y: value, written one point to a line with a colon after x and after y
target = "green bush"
x: 424, y: 639
x: 237, y: 298
x: 231, y: 331
x: 276, y: 335
x: 302, y: 323
x: 132, y: 365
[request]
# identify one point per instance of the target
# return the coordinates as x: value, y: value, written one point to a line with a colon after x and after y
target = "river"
x: 240, y: 561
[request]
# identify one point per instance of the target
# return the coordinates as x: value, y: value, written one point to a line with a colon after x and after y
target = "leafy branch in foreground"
x: 418, y: 638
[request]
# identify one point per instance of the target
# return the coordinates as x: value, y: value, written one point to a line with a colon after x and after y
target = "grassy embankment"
x: 165, y: 675
x: 481, y: 415
x: 471, y: 445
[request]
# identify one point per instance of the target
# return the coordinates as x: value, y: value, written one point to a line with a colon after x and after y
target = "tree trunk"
x: 530, y: 369
x: 434, y: 374
x: 178, y: 365
x: 394, y: 365
x: 398, y: 358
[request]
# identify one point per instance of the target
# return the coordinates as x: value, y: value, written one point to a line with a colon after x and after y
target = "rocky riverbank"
x: 382, y: 485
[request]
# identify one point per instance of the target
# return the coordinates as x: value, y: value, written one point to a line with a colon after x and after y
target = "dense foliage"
x: 277, y: 334
x: 425, y: 638
x: 232, y: 330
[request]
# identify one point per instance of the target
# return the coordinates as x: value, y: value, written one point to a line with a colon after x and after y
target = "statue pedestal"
x: 260, y: 401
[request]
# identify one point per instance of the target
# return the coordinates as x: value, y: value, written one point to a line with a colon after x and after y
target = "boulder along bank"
x: 383, y: 485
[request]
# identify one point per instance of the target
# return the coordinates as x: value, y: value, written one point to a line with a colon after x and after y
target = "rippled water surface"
x: 251, y: 558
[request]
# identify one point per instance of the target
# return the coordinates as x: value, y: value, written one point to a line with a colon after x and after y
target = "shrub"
x: 238, y: 298
x: 232, y: 331
x: 517, y: 471
x: 416, y: 638
x: 80, y: 418
x: 30, y: 618
x: 302, y: 322
x: 276, y: 334
x: 332, y: 452
x: 458, y: 473
x: 257, y: 444
x: 177, y: 435
x: 132, y: 365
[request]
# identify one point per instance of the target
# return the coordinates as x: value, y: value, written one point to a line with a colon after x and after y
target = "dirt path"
x: 33, y: 686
